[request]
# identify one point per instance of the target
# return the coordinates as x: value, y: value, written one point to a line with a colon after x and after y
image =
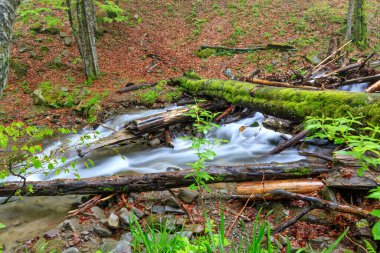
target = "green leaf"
x: 376, y: 213
x: 2, y: 225
x: 376, y: 231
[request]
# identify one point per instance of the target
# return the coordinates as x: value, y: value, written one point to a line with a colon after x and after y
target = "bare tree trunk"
x: 83, y: 26
x: 360, y: 24
x: 7, y: 18
x: 349, y: 20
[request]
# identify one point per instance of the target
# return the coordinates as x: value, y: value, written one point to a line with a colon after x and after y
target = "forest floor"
x: 159, y: 42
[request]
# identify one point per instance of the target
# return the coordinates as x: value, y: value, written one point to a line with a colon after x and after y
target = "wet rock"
x: 71, y: 250
x: 71, y: 224
x: 188, y: 196
x: 113, y: 221
x: 171, y: 201
x: 98, y: 212
x: 154, y: 142
x: 158, y: 209
x: 277, y: 124
x: 51, y: 234
x: 172, y: 169
x: 137, y: 212
x: 169, y: 209
x: 102, y: 231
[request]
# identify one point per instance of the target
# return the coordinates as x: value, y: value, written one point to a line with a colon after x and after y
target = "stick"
x: 293, y: 220
x: 323, y: 204
x: 365, y: 79
x: 373, y: 88
x: 225, y: 113
x: 136, y: 87
x: 289, y: 143
x: 324, y: 157
x: 332, y: 55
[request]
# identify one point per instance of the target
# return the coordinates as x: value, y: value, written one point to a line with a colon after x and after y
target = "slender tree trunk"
x: 349, y: 20
x: 360, y: 24
x: 83, y: 25
x: 7, y: 18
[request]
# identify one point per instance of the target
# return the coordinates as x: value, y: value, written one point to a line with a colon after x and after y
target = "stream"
x: 247, y: 141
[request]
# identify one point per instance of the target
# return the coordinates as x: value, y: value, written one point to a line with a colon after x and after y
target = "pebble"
x: 102, y: 231
x: 158, y: 209
x: 71, y: 250
x: 51, y: 234
x: 127, y: 237
x: 113, y: 221
x: 137, y: 212
x: 187, y: 195
x: 126, y: 217
x: 170, y: 209
x: 195, y: 228
x: 71, y: 224
x: 98, y: 212
x: 154, y: 142
x: 171, y: 201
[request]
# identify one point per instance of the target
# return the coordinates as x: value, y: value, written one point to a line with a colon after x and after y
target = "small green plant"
x: 198, y: 23
x: 111, y: 12
x: 148, y: 98
x: 269, y: 68
x: 172, y: 96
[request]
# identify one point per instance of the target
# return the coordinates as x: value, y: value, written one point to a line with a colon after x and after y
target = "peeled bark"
x: 7, y: 18
x: 287, y: 103
x: 166, y: 180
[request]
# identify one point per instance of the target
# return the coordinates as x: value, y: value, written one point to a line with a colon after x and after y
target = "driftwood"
x: 144, y: 125
x: 225, y: 113
x: 168, y: 138
x: 365, y: 79
x: 166, y: 180
x: 349, y: 179
x: 136, y: 87
x: 373, y: 88
x: 261, y: 190
x: 287, y: 103
x: 289, y: 143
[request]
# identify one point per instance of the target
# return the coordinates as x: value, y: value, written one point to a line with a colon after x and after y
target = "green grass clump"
x: 148, y: 98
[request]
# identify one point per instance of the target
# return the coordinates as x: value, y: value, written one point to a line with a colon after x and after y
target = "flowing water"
x: 356, y: 87
x: 247, y: 142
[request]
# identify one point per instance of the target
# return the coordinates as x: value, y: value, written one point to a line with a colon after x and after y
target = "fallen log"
x: 287, y: 103
x: 166, y: 180
x: 276, y: 84
x: 261, y: 190
x: 144, y: 125
x: 365, y: 79
x: 373, y: 88
x: 136, y: 87
x: 349, y: 179
x: 221, y: 50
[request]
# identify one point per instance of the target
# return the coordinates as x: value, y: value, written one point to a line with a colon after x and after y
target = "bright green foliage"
x: 203, y: 147
x: 24, y: 146
x: 363, y: 142
x: 149, y: 97
x: 114, y: 13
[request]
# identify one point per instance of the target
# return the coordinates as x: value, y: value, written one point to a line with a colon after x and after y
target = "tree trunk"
x: 7, y: 18
x: 349, y: 20
x: 83, y: 26
x: 360, y: 24
x: 287, y: 103
x: 166, y: 180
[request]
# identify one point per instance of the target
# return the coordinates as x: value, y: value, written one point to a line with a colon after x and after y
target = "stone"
x: 170, y: 209
x: 102, y: 231
x: 122, y: 247
x: 126, y: 217
x: 187, y: 195
x: 113, y: 221
x: 71, y: 224
x: 71, y: 250
x: 282, y: 239
x: 154, y: 142
x: 23, y: 49
x: 180, y: 221
x: 127, y: 237
x: 195, y: 228
x: 171, y: 201
x: 51, y: 234
x: 68, y: 41
x: 160, y: 221
x: 16, y: 223
x: 137, y: 212
x: 108, y: 245
x: 158, y: 209
x: 63, y: 34
x: 98, y: 212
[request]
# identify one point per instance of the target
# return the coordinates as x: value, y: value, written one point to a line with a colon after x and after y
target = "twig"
x: 238, y: 215
x: 225, y: 113
x: 366, y: 60
x: 289, y: 143
x: 357, y: 244
x: 324, y: 157
x: 293, y: 220
x: 332, y: 55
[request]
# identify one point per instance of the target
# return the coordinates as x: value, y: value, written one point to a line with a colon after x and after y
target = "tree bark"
x: 83, y: 25
x: 166, y: 180
x: 287, y: 103
x: 350, y: 14
x: 7, y: 19
x: 360, y: 24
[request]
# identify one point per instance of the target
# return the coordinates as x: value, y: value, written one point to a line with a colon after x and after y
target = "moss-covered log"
x: 288, y: 103
x: 167, y: 180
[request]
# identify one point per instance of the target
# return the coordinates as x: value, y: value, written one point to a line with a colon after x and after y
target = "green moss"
x: 299, y: 171
x: 205, y: 53
x: 363, y: 223
x: 293, y: 104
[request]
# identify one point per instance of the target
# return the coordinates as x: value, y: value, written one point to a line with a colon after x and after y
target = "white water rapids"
x: 247, y: 146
